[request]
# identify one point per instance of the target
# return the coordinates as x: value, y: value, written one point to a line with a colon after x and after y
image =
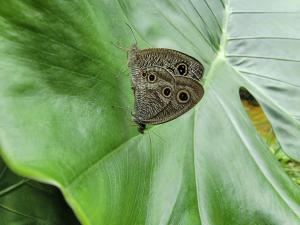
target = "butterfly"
x: 165, y: 84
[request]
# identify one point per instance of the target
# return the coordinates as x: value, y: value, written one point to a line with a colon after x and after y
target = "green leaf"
x: 64, y: 84
x: 23, y: 201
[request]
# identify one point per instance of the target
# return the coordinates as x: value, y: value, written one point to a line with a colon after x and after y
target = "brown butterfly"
x: 165, y: 84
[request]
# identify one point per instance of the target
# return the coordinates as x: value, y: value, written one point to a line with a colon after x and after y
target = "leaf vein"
x: 182, y: 34
x: 12, y: 187
x: 263, y: 57
x: 214, y: 15
x: 263, y: 38
x: 264, y: 12
x: 269, y: 78
x: 20, y: 213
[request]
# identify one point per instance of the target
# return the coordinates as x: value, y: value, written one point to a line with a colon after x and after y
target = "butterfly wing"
x: 152, y: 88
x: 186, y: 94
x: 177, y: 63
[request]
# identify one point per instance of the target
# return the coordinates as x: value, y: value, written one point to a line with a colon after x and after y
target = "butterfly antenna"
x: 120, y: 47
x: 132, y: 33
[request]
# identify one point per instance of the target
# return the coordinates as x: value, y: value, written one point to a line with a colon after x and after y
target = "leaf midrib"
x: 222, y: 56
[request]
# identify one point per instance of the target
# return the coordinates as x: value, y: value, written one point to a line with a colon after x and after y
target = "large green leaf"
x: 23, y: 201
x: 64, y: 84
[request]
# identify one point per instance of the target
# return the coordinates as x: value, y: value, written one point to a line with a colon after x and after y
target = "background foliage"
x: 23, y: 201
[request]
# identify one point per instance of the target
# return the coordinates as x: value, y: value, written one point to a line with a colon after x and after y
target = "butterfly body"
x: 165, y: 84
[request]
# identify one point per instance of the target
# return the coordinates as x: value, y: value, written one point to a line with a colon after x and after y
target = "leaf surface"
x: 64, y: 85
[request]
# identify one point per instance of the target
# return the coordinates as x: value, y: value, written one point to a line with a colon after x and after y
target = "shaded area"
x: 23, y: 201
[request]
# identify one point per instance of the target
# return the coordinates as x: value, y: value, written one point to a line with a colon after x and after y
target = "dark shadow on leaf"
x: 30, y: 202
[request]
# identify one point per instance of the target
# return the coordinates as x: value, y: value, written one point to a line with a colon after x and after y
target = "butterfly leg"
x: 141, y: 126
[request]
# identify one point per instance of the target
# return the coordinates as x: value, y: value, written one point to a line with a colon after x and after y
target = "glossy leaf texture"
x: 23, y: 201
x: 65, y: 88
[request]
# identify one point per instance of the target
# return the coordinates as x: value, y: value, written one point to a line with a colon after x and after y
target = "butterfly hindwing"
x: 161, y: 97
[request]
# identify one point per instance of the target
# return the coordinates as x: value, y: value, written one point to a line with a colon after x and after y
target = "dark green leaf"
x: 23, y: 201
